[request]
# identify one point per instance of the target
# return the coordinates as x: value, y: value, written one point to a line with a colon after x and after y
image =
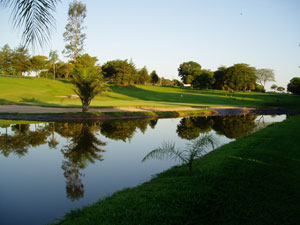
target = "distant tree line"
x: 18, y: 62
x: 239, y: 77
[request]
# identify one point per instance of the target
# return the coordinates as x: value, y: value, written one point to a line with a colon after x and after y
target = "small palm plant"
x: 87, y: 84
x: 194, y: 150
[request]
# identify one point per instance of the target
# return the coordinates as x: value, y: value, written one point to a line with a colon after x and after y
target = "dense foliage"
x: 294, y: 85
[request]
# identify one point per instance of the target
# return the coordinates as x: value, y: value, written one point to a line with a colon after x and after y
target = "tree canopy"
x: 294, y: 85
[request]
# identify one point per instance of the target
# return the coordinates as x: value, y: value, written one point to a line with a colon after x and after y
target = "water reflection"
x: 230, y: 126
x: 84, y: 148
x: 63, y: 163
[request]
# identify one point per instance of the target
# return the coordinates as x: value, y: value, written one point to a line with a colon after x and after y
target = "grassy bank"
x: 47, y: 92
x: 10, y: 118
x: 254, y: 180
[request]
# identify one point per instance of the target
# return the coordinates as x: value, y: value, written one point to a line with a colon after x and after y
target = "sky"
x: 162, y: 34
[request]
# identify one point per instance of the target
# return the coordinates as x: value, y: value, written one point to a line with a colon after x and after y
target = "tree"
x: 280, y: 89
x: 21, y: 60
x: 194, y: 150
x: 274, y: 87
x: 265, y: 75
x: 53, y: 58
x: 241, y: 77
x: 204, y: 80
x: 64, y: 69
x: 119, y: 71
x: 38, y: 63
x: 154, y: 78
x: 74, y: 36
x: 294, y: 86
x: 143, y: 76
x: 6, y: 59
x: 188, y: 71
x: 86, y: 79
x: 219, y: 77
x: 35, y: 16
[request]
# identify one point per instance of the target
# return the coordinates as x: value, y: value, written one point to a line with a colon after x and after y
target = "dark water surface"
x: 47, y: 169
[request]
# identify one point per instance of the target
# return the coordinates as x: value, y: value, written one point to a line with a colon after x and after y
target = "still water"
x: 47, y: 169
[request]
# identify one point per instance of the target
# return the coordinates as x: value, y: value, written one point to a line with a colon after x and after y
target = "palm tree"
x: 36, y: 16
x: 53, y: 57
x: 195, y: 149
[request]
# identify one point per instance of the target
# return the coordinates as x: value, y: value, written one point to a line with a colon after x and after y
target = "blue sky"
x: 163, y: 34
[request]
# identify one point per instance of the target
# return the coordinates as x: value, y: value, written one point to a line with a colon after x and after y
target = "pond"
x: 49, y: 168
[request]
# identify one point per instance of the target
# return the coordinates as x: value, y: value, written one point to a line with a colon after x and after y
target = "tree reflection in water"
x: 84, y: 148
x: 230, y: 126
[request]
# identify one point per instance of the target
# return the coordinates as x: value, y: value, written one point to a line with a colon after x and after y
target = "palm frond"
x: 35, y: 16
x: 167, y: 150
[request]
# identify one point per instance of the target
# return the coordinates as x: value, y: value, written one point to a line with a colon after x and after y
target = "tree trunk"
x: 85, y: 107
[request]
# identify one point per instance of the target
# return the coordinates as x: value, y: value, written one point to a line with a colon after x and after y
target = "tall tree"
x: 188, y: 71
x: 6, y: 59
x: 265, y: 75
x: 241, y: 77
x: 21, y: 60
x: 53, y: 58
x: 35, y: 17
x: 219, y: 77
x: 154, y: 77
x: 143, y: 76
x: 74, y: 36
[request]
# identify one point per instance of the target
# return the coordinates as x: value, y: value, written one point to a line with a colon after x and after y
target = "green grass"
x: 47, y: 92
x: 254, y: 180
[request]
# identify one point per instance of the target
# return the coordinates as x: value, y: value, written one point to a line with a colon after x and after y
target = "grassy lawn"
x: 254, y: 180
x: 47, y: 92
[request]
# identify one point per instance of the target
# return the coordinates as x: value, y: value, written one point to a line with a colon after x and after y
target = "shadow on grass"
x: 193, y: 97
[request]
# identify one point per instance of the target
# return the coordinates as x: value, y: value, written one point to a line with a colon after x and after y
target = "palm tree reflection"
x: 83, y: 149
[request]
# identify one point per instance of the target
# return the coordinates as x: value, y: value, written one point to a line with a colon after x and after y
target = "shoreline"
x: 37, y: 113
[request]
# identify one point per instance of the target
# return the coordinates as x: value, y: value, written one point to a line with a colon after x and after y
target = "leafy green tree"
x: 194, y: 150
x: 86, y: 79
x: 204, y: 80
x: 35, y: 17
x: 21, y: 60
x: 219, y: 77
x: 38, y: 63
x: 74, y: 36
x: 53, y: 58
x: 265, y: 75
x: 119, y: 71
x: 280, y: 89
x: 187, y: 71
x: 154, y: 78
x: 64, y: 70
x: 241, y: 77
x: 274, y: 87
x: 166, y: 82
x: 6, y: 59
x: 294, y: 85
x: 143, y: 76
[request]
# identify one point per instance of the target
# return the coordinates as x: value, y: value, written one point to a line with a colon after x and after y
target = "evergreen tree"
x: 74, y: 36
